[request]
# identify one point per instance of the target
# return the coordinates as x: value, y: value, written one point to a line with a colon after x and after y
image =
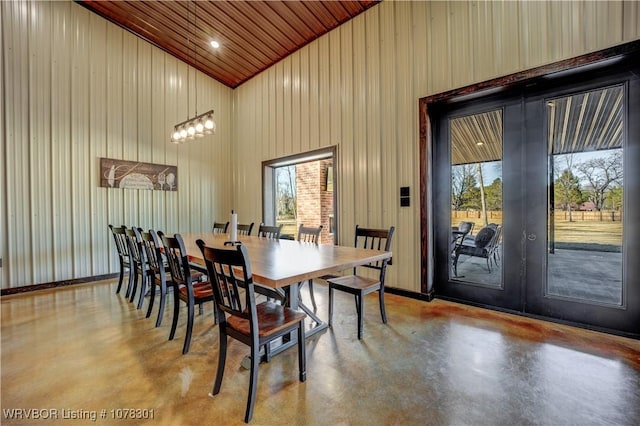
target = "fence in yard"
x: 476, y: 214
x: 594, y: 216
x: 576, y: 215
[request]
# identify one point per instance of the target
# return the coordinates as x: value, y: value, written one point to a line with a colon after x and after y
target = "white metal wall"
x: 358, y: 88
x: 77, y: 88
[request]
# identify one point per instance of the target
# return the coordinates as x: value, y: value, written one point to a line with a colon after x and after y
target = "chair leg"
x: 187, y: 337
x: 313, y: 298
x: 253, y: 381
x: 302, y: 354
x: 134, y: 288
x: 163, y: 298
x: 121, y: 278
x: 360, y: 308
x: 176, y: 312
x: 222, y: 357
x: 455, y: 265
x: 143, y: 290
x: 133, y: 277
x: 330, y: 305
x: 383, y: 311
x: 152, y: 296
x: 267, y: 352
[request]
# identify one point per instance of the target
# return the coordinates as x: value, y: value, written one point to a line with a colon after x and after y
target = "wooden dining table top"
x: 280, y: 263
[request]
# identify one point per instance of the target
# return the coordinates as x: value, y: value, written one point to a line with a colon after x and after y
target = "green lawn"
x: 589, y: 231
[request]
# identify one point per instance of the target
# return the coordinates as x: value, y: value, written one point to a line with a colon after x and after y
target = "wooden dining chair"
x: 245, y: 229
x: 310, y: 234
x: 122, y: 247
x: 185, y: 288
x: 139, y: 265
x: 359, y: 286
x: 220, y: 227
x: 241, y: 318
x: 266, y: 231
x: 159, y: 272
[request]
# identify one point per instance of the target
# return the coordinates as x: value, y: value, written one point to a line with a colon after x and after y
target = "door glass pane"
x: 476, y: 198
x: 585, y: 196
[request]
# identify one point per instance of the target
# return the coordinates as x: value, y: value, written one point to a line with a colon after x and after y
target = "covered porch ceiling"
x: 587, y: 121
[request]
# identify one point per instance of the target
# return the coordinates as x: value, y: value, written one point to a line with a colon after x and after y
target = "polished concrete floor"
x: 82, y: 349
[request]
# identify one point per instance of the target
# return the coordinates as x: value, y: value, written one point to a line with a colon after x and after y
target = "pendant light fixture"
x: 200, y: 125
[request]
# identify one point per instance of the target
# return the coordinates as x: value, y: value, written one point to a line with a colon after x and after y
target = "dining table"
x: 283, y: 264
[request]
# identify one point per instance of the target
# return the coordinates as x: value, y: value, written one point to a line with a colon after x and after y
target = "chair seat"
x: 201, y: 290
x: 355, y: 282
x: 272, y: 318
x: 473, y: 251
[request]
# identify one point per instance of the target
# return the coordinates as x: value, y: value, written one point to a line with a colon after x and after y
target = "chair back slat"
x: 120, y: 237
x: 309, y: 234
x: 230, y: 275
x: 220, y: 227
x: 245, y: 229
x: 374, y: 239
x: 267, y: 231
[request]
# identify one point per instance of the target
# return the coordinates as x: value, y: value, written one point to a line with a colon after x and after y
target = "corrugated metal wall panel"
x: 631, y: 19
x: 368, y: 75
x: 462, y: 43
x: 507, y: 37
x: 40, y: 113
x: 79, y: 88
x: 389, y: 115
x: 17, y: 138
x: 61, y: 140
x: 313, y: 138
x: 104, y: 258
x: 406, y: 132
x: 80, y: 146
x: 3, y: 134
x: 347, y: 159
x: 373, y: 142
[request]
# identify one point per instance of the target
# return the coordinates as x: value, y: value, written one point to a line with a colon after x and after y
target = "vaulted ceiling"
x: 253, y: 35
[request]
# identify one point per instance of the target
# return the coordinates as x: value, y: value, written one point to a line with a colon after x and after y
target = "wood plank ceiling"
x: 253, y: 35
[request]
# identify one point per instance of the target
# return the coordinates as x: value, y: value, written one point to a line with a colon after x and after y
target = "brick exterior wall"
x: 314, y: 202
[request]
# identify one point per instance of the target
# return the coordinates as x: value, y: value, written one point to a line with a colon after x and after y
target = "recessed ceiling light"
x: 215, y: 44
x: 479, y: 143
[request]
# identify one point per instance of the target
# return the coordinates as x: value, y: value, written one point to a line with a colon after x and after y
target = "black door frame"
x: 624, y: 319
x: 509, y: 295
x: 628, y: 52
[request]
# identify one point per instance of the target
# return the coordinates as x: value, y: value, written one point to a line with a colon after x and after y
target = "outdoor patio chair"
x: 484, y: 244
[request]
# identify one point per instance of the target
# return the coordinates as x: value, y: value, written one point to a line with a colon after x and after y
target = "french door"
x: 547, y: 179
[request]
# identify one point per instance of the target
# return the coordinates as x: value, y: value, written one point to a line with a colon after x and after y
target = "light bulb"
x: 199, y: 126
x: 176, y: 136
x: 183, y: 132
x: 215, y: 44
x: 191, y: 130
x: 209, y: 124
